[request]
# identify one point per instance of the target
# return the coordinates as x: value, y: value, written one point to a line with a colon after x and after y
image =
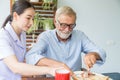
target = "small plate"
x: 79, y: 72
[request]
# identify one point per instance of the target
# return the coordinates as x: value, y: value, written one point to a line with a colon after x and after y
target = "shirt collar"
x: 12, y: 34
x: 10, y: 30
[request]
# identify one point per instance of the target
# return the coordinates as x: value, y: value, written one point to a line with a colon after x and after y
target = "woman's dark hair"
x: 19, y: 7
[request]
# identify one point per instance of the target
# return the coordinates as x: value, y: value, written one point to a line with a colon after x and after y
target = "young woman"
x: 13, y: 44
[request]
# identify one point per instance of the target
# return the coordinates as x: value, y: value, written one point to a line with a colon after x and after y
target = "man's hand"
x: 90, y: 59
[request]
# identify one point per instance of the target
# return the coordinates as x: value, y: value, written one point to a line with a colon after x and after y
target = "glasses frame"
x: 64, y: 25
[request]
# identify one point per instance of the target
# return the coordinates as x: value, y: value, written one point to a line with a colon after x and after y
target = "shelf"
x: 43, y: 14
x: 40, y: 3
x: 37, y: 3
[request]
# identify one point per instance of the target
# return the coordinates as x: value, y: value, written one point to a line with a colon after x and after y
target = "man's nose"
x: 68, y: 28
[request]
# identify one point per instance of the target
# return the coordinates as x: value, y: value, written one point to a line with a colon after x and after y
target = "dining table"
x: 37, y: 78
x: 112, y: 76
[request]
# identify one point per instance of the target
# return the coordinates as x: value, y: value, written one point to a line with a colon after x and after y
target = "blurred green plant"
x: 46, y: 4
x: 38, y: 22
x: 47, y: 24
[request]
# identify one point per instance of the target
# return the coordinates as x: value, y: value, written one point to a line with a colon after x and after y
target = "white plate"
x: 79, y: 72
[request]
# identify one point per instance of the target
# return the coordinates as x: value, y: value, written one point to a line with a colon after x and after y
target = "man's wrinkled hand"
x: 90, y: 59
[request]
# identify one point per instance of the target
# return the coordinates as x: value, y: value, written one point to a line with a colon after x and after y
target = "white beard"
x: 63, y: 35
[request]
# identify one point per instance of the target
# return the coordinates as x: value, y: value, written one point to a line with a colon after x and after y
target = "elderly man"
x: 63, y: 45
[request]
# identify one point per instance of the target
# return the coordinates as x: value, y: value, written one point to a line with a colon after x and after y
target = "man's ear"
x: 54, y: 22
x: 15, y: 16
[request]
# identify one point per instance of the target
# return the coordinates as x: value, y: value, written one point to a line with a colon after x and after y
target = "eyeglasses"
x: 64, y: 25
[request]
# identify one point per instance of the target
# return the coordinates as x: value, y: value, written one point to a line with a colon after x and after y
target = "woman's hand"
x: 52, y: 70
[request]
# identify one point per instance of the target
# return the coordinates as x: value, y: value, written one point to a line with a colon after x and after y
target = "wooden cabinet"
x: 45, y: 11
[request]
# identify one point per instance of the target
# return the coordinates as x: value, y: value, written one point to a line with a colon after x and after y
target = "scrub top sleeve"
x: 5, y: 48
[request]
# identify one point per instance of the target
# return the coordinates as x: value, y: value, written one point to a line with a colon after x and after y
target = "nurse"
x: 13, y: 44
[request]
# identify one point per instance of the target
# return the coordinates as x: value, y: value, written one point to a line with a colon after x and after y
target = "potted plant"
x: 47, y: 24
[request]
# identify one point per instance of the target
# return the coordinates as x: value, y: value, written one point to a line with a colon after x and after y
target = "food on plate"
x: 91, y: 76
x: 96, y: 77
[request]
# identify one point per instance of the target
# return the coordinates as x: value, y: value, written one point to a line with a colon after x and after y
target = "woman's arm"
x: 27, y: 69
x: 53, y: 63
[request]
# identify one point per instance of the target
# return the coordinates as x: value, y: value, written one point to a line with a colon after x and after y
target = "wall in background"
x: 4, y: 10
x: 100, y: 20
